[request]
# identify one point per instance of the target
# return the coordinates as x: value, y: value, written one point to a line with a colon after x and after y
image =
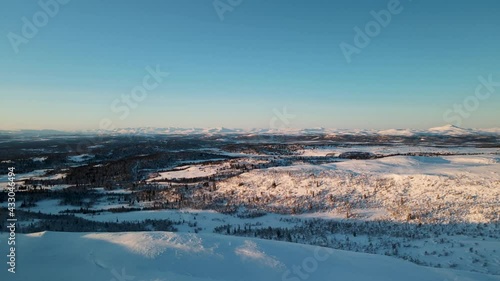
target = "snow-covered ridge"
x: 447, y: 130
x: 162, y: 256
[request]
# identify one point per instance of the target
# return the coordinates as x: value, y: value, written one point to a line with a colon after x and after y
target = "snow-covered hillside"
x: 444, y: 189
x: 165, y: 256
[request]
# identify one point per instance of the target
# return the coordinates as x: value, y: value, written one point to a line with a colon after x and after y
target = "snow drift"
x: 162, y: 256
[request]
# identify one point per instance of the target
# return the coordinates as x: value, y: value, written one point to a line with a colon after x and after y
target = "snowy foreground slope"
x: 165, y: 256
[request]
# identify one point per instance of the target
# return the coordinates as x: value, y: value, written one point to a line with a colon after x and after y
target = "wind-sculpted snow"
x: 108, y: 257
x: 251, y: 251
x: 153, y: 244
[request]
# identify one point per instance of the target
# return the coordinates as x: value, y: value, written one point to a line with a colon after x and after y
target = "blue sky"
x: 262, y: 57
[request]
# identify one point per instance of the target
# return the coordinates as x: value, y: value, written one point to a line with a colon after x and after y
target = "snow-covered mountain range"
x: 447, y: 130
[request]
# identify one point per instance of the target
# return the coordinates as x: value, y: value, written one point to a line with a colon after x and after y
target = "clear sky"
x: 237, y: 71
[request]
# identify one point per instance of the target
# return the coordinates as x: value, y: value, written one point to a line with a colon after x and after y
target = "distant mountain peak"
x: 450, y: 130
x: 447, y: 126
